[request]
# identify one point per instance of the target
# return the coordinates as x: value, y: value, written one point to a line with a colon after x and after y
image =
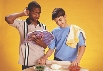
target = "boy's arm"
x: 43, y: 59
x: 10, y: 18
x: 80, y: 54
x: 40, y: 43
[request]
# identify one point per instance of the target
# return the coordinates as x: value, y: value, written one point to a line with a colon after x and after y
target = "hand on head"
x: 26, y: 11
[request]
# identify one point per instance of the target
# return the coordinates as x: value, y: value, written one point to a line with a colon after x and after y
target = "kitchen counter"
x: 64, y: 65
x: 32, y: 69
x: 49, y: 62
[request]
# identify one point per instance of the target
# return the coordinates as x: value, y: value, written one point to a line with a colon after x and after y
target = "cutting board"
x: 67, y: 63
x: 64, y: 64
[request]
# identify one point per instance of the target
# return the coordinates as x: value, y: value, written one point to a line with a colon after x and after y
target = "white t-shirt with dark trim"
x: 35, y: 51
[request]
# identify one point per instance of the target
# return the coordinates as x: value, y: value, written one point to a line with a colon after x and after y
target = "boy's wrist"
x: 78, y: 58
x: 23, y: 14
x: 45, y: 56
x: 20, y: 14
x: 44, y: 46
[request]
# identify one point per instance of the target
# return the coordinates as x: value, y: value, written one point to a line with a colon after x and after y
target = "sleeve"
x: 82, y: 41
x: 17, y: 23
x: 52, y: 44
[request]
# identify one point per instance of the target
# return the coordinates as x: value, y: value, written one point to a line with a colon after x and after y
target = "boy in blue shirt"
x: 63, y: 52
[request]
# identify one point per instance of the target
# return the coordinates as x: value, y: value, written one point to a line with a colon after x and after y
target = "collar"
x: 28, y: 22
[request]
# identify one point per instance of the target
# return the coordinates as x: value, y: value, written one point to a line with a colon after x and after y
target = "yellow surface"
x: 88, y: 14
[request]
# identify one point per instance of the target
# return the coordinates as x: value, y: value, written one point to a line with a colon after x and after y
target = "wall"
x: 88, y: 14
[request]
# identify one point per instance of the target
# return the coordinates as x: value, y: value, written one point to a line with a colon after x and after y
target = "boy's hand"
x: 75, y: 62
x: 38, y: 40
x: 31, y: 37
x: 42, y: 60
x: 26, y: 11
x: 74, y: 68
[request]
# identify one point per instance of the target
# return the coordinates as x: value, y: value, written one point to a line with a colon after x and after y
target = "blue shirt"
x: 62, y: 51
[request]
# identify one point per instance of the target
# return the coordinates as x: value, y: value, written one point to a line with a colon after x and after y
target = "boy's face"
x: 61, y: 21
x: 34, y: 14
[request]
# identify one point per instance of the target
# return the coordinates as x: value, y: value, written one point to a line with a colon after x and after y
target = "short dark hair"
x: 33, y: 4
x: 57, y: 12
